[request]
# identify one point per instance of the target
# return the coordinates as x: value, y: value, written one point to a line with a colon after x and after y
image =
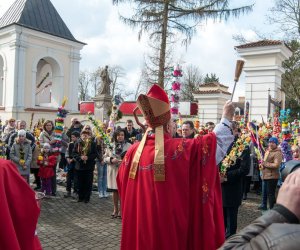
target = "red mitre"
x: 155, y: 108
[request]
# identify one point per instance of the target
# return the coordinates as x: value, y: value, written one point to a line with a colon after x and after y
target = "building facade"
x: 39, y: 61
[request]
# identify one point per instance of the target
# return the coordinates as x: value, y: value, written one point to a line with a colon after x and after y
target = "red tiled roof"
x: 259, y: 44
x: 127, y: 108
x: 211, y: 92
x: 212, y: 84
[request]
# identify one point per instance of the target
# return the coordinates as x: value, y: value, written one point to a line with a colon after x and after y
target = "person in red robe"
x: 170, y: 188
x: 19, y: 211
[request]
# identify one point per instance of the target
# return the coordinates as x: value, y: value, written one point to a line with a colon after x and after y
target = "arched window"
x: 43, y: 90
x: 49, y: 88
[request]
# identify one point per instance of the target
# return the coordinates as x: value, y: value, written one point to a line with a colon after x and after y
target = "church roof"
x: 38, y: 15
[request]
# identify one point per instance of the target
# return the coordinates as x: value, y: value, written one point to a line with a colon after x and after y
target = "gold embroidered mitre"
x: 155, y: 108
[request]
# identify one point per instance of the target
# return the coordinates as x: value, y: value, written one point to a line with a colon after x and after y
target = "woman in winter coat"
x: 21, y: 154
x: 47, y: 135
x: 113, y: 158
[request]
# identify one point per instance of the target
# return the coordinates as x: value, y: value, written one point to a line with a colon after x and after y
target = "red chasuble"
x: 182, y: 212
x: 19, y: 211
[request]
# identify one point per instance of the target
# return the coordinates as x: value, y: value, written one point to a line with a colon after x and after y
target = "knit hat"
x: 274, y: 139
x: 22, y: 132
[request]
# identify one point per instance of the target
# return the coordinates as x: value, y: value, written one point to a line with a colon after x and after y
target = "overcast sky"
x: 110, y: 42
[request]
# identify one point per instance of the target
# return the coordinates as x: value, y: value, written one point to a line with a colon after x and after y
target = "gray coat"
x: 15, y: 156
x: 277, y: 229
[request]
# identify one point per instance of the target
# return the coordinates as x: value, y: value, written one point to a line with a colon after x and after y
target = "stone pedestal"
x: 102, y: 105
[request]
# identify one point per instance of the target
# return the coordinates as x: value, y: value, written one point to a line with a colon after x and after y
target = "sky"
x: 110, y: 42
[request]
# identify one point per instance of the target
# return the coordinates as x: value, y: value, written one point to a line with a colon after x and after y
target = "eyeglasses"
x: 88, y: 128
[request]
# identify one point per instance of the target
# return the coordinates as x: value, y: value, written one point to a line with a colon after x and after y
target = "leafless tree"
x: 143, y: 84
x: 116, y: 73
x: 286, y: 14
x: 84, y: 84
x: 95, y: 80
x: 192, y: 79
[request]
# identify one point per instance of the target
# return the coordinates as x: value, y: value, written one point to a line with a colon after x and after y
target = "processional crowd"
x: 165, y: 173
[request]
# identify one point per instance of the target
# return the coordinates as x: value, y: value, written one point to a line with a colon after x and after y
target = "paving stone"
x: 66, y: 224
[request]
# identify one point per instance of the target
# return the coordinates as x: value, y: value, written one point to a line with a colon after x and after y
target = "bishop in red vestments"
x: 19, y: 211
x: 169, y: 188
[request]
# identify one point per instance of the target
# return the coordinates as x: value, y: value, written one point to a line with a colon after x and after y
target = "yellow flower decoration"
x: 236, y: 151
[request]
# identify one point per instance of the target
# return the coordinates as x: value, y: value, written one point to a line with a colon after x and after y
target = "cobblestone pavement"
x: 248, y: 211
x: 67, y: 224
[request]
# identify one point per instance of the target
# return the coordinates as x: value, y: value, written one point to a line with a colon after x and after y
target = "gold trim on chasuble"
x: 159, y: 161
x: 156, y: 113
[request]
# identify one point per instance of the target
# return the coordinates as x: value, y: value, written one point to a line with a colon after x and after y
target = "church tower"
x: 39, y: 61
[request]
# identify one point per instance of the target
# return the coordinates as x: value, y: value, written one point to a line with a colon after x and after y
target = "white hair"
x: 22, y: 132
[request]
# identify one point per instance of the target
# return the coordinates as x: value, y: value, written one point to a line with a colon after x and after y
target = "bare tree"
x: 84, y: 84
x: 116, y: 72
x: 143, y: 84
x: 192, y: 79
x: 163, y: 18
x: 286, y: 14
x: 95, y: 80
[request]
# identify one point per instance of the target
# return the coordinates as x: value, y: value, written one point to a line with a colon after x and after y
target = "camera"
x: 77, y: 122
x: 290, y: 167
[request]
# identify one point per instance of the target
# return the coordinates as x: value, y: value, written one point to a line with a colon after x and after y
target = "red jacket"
x: 46, y: 171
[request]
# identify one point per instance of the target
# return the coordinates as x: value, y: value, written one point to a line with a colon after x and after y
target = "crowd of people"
x: 137, y: 174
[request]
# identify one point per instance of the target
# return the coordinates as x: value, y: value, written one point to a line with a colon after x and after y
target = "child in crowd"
x: 21, y: 154
x: 46, y: 161
x: 71, y: 174
x: 296, y: 152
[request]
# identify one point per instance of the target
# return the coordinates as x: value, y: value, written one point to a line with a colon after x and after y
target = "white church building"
x: 39, y: 61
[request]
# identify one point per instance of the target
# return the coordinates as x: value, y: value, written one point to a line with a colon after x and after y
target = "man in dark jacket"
x: 279, y: 227
x: 232, y: 191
